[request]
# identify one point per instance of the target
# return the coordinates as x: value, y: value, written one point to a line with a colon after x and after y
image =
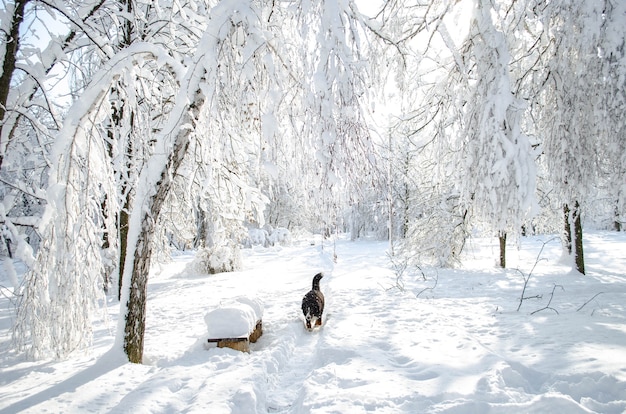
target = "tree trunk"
x: 11, y: 49
x: 123, y: 240
x: 578, y: 241
x: 502, y: 238
x: 123, y: 214
x: 573, y: 241
x: 136, y: 314
x: 150, y: 207
x: 567, y: 230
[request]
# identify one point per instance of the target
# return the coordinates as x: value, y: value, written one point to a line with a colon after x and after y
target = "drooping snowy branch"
x: 67, y: 279
x: 497, y: 170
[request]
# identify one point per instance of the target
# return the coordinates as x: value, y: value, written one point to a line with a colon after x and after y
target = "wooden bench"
x: 242, y: 343
x: 236, y: 324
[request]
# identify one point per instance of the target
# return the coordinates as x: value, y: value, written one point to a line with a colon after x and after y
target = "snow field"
x: 460, y: 347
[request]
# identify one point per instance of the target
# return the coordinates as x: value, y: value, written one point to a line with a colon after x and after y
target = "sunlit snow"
x: 458, y: 347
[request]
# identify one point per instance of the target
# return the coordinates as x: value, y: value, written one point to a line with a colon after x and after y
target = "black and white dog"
x: 313, y: 304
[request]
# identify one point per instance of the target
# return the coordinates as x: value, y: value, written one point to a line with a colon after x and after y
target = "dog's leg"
x: 318, y: 322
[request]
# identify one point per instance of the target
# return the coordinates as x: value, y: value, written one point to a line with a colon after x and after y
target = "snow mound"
x: 256, y: 237
x: 216, y: 259
x: 237, y: 319
x: 267, y: 237
x: 279, y: 235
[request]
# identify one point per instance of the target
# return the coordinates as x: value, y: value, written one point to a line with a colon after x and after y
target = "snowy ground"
x: 387, y: 345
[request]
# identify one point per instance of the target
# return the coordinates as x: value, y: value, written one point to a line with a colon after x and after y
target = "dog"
x: 313, y: 304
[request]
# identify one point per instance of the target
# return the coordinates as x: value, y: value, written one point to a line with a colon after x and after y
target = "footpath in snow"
x: 437, y: 341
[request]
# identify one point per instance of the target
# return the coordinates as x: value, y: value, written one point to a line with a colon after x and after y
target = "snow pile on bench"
x: 235, y: 324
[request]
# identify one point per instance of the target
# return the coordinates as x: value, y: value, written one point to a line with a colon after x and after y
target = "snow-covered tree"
x: 497, y: 172
x: 335, y: 89
x: 30, y: 123
x: 191, y: 121
x: 29, y: 114
x: 427, y: 126
x: 612, y: 52
x: 572, y: 105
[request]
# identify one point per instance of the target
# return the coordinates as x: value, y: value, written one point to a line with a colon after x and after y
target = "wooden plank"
x: 227, y: 339
x: 258, y: 331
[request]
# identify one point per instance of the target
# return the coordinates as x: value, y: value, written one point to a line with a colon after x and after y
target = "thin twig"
x: 527, y: 278
x: 592, y: 298
x: 428, y: 288
x: 550, y: 301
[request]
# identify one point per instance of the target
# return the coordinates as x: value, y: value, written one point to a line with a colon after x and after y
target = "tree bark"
x: 123, y: 218
x: 579, y: 257
x: 123, y: 213
x: 573, y: 241
x: 567, y: 230
x: 11, y: 48
x: 502, y: 239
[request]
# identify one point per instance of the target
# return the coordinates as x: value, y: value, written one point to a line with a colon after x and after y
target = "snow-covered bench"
x: 235, y: 324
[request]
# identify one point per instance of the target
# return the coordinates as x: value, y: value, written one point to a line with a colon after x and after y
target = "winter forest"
x: 130, y: 128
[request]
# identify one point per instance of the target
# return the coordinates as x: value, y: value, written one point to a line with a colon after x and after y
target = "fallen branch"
x: 428, y: 288
x: 592, y: 298
x: 550, y: 301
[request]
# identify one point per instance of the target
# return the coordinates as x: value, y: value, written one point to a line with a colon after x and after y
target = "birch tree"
x: 54, y: 315
x: 29, y: 117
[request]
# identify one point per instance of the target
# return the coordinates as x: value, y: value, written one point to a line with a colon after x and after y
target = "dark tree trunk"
x: 502, y: 238
x: 574, y: 240
x: 123, y: 240
x: 136, y: 314
x: 11, y: 48
x: 579, y: 256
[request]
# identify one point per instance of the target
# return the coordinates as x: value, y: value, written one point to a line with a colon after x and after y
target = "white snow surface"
x: 386, y: 346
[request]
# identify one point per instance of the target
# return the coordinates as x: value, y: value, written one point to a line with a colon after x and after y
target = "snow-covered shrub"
x: 437, y: 237
x: 280, y: 235
x: 256, y: 237
x: 269, y: 237
x: 217, y: 259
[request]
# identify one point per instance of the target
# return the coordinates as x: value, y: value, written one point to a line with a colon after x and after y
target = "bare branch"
x: 592, y: 298
x: 550, y: 301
